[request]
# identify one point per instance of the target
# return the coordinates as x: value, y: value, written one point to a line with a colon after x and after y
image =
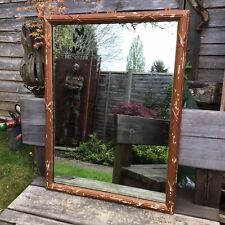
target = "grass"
x: 64, y: 169
x: 17, y: 170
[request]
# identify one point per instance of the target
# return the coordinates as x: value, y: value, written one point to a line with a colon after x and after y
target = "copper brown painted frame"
x: 181, y: 16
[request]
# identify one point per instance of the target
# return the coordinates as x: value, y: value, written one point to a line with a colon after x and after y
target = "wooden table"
x: 36, y: 205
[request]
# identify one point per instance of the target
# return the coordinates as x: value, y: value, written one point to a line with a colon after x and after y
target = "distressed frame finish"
x: 181, y: 16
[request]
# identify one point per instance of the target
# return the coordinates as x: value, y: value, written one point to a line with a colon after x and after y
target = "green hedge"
x: 97, y: 151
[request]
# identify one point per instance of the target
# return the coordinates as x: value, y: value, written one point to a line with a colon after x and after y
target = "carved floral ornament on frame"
x: 75, y: 86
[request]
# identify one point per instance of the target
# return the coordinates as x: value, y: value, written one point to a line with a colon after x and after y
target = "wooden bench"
x: 36, y: 205
x: 202, y: 146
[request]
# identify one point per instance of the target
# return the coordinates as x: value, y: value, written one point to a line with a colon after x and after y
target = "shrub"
x: 94, y: 151
x: 146, y: 154
x: 162, y: 107
x: 134, y: 109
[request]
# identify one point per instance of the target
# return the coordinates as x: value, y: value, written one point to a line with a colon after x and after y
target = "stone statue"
x: 73, y: 86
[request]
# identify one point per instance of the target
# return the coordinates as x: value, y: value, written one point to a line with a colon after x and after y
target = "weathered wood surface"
x: 213, y: 36
x: 33, y: 121
x: 11, y: 50
x: 139, y: 130
x: 21, y: 218
x: 8, y: 63
x: 212, y: 62
x: 215, y: 75
x: 184, y: 205
x: 117, y: 5
x: 39, y: 206
x: 212, y: 48
x: 123, y: 156
x: 202, y: 139
x: 152, y: 177
x: 222, y: 103
x: 10, y: 87
x: 213, y: 4
x: 217, y: 17
x: 10, y: 37
x: 208, y: 188
x: 7, y: 75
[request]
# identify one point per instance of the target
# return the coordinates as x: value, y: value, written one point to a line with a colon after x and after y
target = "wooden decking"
x: 36, y: 205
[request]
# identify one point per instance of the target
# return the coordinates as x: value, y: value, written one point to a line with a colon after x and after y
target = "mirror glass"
x: 110, y: 81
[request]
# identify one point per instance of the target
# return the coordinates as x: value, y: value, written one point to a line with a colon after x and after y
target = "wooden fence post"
x: 129, y: 86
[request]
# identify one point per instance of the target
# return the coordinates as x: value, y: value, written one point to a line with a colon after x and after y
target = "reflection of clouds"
x: 159, y: 41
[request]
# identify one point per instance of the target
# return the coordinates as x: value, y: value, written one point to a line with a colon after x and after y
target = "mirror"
x: 113, y: 104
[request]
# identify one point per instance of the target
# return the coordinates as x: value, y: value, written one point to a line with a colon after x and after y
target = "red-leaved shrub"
x: 134, y: 109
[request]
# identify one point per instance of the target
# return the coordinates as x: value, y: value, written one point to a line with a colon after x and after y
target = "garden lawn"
x: 66, y: 169
x: 17, y: 170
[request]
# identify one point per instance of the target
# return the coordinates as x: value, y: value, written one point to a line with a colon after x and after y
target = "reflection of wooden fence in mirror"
x: 202, y: 144
x: 112, y: 90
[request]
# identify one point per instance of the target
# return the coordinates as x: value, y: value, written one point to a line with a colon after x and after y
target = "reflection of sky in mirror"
x: 159, y: 43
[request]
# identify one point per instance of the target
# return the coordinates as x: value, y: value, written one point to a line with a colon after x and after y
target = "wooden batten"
x: 33, y: 121
x: 139, y: 130
x: 203, y: 139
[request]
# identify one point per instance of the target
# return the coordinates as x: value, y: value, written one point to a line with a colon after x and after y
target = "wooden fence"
x: 113, y: 89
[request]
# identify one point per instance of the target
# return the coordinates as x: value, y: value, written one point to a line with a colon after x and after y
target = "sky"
x: 159, y: 42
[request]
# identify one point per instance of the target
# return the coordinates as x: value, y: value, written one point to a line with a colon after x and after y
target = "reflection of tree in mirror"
x: 135, y: 58
x: 161, y: 106
x: 83, y: 40
x: 108, y: 41
x: 76, y: 40
x: 159, y: 66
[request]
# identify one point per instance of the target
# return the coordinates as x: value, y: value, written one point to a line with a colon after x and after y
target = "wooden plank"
x: 217, y: 17
x: 213, y: 4
x: 7, y: 75
x: 33, y: 121
x: 185, y: 206
x: 204, y: 153
x: 203, y: 123
x: 73, y: 209
x: 222, y: 104
x: 7, y: 63
x: 33, y: 109
x: 212, y: 62
x: 11, y: 50
x: 20, y: 218
x: 213, y: 36
x: 7, y: 105
x: 212, y: 49
x: 4, y: 114
x: 11, y: 24
x: 210, y: 75
x: 16, y: 10
x: 208, y: 188
x: 11, y: 97
x: 139, y: 130
x: 123, y: 157
x: 12, y: 87
x: 10, y: 37
x: 117, y: 5
x: 151, y: 177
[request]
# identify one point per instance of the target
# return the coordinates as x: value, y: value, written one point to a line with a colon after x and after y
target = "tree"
x: 159, y: 66
x: 135, y: 58
x: 75, y: 40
